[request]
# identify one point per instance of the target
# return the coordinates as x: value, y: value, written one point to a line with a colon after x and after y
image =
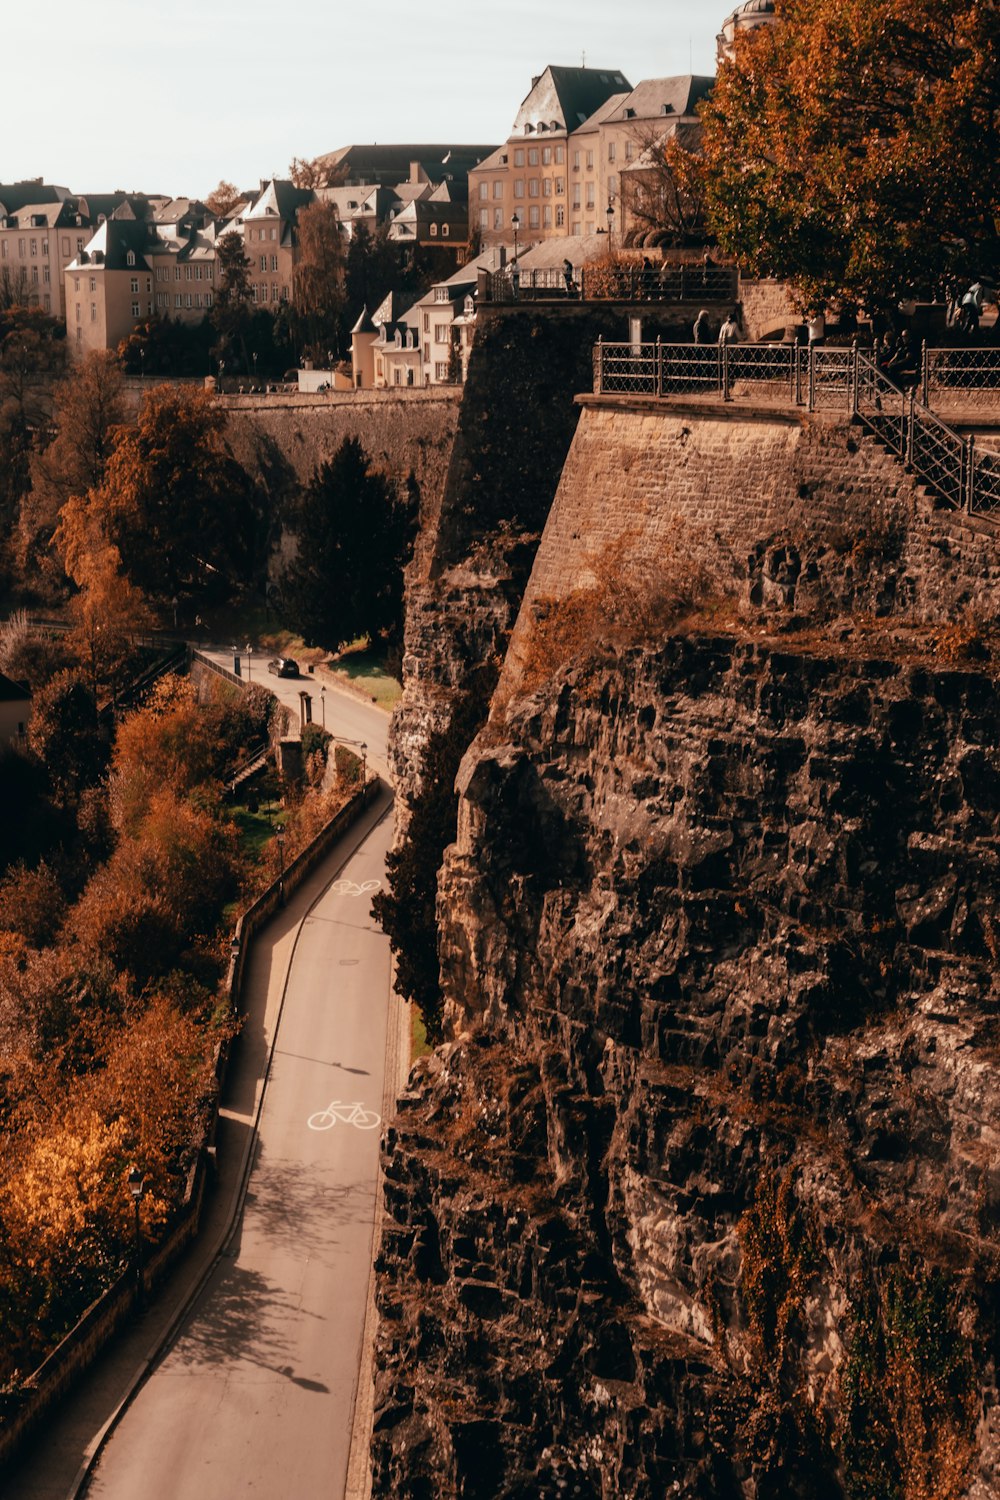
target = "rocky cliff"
x: 701, y: 1195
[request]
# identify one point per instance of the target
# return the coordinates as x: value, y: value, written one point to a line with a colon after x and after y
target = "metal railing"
x: 966, y: 476
x: 615, y: 283
x: 960, y: 377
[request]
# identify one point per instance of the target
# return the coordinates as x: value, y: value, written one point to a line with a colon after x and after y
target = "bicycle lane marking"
x: 347, y: 1114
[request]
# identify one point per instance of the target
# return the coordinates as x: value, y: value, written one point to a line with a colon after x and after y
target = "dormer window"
x: 542, y: 126
x: 469, y: 306
x: 398, y: 341
x: 529, y: 129
x: 629, y: 114
x: 434, y: 229
x: 667, y: 109
x: 444, y: 230
x: 130, y: 258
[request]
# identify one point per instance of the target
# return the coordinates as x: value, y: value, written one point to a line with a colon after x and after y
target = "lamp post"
x: 515, y: 224
x: 249, y: 655
x: 611, y: 225
x: 136, y: 1188
x: 279, y: 834
x: 322, y: 701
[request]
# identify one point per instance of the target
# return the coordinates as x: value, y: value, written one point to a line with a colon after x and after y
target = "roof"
x: 13, y: 692
x: 578, y: 248
x: 604, y: 113
x: 14, y: 195
x: 563, y: 98
x: 678, y: 95
x: 110, y: 244
x: 364, y: 323
x: 279, y: 197
x: 390, y: 164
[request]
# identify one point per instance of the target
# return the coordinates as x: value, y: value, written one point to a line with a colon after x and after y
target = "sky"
x: 169, y: 99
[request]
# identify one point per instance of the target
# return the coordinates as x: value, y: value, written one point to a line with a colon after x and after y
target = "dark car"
x: 283, y: 666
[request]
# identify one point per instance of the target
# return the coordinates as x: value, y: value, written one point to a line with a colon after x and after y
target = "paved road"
x: 348, y: 716
x: 256, y: 1396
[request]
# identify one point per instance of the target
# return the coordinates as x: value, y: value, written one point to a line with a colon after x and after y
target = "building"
x: 270, y: 239
x: 385, y: 166
x: 531, y: 174
x: 657, y: 110
x: 39, y: 239
x: 15, y: 709
x: 746, y: 17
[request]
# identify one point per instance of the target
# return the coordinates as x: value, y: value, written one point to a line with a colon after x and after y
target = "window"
x: 48, y: 302
x: 427, y: 354
x: 274, y: 262
x: 46, y: 269
x: 20, y: 249
x: 446, y: 228
x: 533, y: 216
x: 612, y: 184
x: 197, y: 299
x: 130, y: 258
x: 79, y: 333
x: 45, y: 247
x: 177, y: 276
x: 76, y: 281
x: 576, y: 161
x: 533, y: 156
x: 208, y: 299
x: 629, y: 150
x: 135, y: 309
x: 210, y: 271
x: 440, y: 370
x: 484, y: 191
x: 187, y: 273
x: 93, y: 285
x: 546, y: 156
x: 263, y: 262
x: 560, y: 216
x: 497, y: 219
x: 79, y: 244
x: 3, y: 250
x: 590, y: 195
x: 178, y: 300
x: 396, y: 376
x: 560, y: 186
x: 546, y: 187
x: 612, y: 151
x: 34, y: 275
x: 484, y: 218
x: 197, y: 273
x: 284, y: 294
x: 498, y: 189
x: 34, y: 247
x: 576, y: 195
x: 441, y: 294
x: 274, y: 233
x: 78, y: 309
x: 589, y: 226
x: 133, y: 285
x: 93, y: 312
x: 547, y: 216
x: 590, y: 161
x: 441, y: 334
x: 187, y: 300
x: 274, y: 291
x: 427, y: 322
x: 560, y: 155
x: 532, y: 187
x: 518, y: 187
x: 577, y: 228
x: 65, y: 244
x: 434, y: 228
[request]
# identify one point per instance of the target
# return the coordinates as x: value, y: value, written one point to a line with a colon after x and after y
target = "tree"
x: 354, y: 536
x: 223, y: 199
x: 174, y: 502
x: 65, y: 735
x: 88, y: 409
x: 852, y: 147
x: 108, y: 611
x: 316, y: 172
x: 371, y: 270
x: 663, y: 193
x: 231, y: 310
x: 319, y: 277
x: 32, y: 350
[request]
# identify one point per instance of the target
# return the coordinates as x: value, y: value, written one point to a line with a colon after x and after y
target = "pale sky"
x: 168, y: 98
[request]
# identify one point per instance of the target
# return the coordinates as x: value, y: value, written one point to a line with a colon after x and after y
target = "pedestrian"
x: 729, y: 333
x: 515, y: 279
x: 568, y: 276
x: 702, y: 328
x: 816, y: 327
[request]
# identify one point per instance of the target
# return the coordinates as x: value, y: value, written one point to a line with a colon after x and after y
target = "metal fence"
x: 614, y: 283
x: 961, y: 377
x: 848, y: 380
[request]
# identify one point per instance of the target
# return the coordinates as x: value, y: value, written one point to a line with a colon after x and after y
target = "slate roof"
x: 14, y: 195
x: 563, y: 98
x: 390, y: 164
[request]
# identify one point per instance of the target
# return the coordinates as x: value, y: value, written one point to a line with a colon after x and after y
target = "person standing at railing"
x: 730, y: 333
x: 816, y: 328
x: 702, y: 329
x: 568, y: 276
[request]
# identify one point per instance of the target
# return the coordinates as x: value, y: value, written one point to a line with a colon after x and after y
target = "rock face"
x: 701, y: 1197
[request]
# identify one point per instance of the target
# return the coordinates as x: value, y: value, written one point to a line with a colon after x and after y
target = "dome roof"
x: 756, y: 8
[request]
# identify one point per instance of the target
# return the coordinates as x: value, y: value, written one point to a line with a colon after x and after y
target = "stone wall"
x: 767, y: 307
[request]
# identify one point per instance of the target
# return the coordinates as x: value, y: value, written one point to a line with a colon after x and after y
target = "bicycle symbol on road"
x: 347, y: 1114
x: 351, y: 888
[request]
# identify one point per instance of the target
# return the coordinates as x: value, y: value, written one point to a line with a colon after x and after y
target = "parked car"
x: 283, y: 666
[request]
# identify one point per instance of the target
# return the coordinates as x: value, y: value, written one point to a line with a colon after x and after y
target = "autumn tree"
x: 168, y: 742
x: 107, y: 610
x: 88, y: 408
x: 174, y: 502
x: 223, y: 199
x: 854, y: 147
x: 319, y: 277
x: 354, y: 534
x: 231, y: 310
x: 316, y: 172
x: 65, y: 734
x: 32, y: 351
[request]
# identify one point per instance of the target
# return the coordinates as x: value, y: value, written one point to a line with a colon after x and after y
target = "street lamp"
x: 279, y: 834
x: 322, y: 701
x: 515, y: 224
x: 136, y: 1188
x: 611, y: 223
x: 249, y: 655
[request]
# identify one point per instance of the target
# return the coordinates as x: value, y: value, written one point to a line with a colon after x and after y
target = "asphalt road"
x: 348, y: 717
x: 256, y: 1395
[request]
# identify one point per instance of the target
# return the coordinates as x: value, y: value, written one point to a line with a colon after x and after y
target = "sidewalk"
x: 56, y: 1466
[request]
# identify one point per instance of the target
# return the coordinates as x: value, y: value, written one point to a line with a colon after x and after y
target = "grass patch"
x: 366, y: 669
x: 419, y: 1045
x: 255, y: 828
